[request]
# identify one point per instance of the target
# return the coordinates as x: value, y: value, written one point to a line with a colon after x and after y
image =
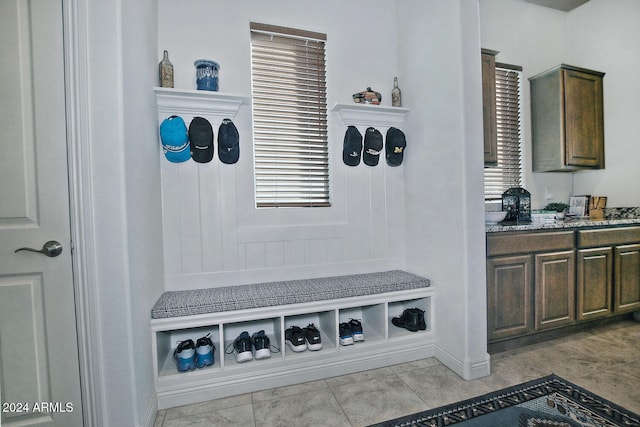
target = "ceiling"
x: 564, y: 5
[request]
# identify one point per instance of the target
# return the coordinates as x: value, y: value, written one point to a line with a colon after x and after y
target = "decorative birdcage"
x: 517, y: 202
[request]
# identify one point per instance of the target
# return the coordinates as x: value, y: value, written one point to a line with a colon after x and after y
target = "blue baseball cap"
x: 175, y: 139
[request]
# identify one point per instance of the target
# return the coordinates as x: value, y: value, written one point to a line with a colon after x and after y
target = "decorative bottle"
x: 396, y: 97
x: 166, y: 71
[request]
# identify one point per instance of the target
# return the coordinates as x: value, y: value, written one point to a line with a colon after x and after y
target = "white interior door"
x: 39, y: 371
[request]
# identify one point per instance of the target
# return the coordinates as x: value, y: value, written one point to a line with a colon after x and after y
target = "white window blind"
x: 289, y: 117
x: 508, y: 171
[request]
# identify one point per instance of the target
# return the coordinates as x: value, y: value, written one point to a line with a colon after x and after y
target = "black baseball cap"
x: 372, y: 146
x: 395, y: 145
x: 352, y: 148
x: 201, y: 140
x: 228, y: 142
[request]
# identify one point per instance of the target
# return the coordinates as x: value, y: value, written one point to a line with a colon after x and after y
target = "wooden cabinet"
x: 594, y: 283
x: 555, y: 289
x: 608, y: 271
x: 543, y: 280
x: 509, y: 296
x: 530, y: 282
x: 489, y: 107
x: 627, y: 278
x: 567, y: 119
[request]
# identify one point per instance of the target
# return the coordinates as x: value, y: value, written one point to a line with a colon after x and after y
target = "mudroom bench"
x: 225, y: 312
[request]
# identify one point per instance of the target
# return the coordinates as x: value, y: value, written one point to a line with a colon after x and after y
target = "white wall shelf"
x: 384, y: 344
x: 215, y: 105
x: 371, y: 115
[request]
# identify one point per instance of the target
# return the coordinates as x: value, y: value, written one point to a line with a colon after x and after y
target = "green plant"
x: 556, y: 206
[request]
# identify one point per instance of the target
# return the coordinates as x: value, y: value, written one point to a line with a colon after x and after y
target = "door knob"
x: 50, y: 249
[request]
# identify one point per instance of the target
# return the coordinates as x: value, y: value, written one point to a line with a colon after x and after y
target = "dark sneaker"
x: 294, y: 338
x: 185, y: 355
x: 356, y: 330
x: 205, y: 351
x: 261, y: 344
x: 346, y: 335
x: 312, y: 335
x: 242, y: 346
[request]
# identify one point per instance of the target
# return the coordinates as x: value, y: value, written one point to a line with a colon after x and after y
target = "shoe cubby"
x: 372, y: 318
x: 271, y: 327
x: 325, y: 321
x: 383, y: 344
x: 167, y: 342
x: 396, y: 308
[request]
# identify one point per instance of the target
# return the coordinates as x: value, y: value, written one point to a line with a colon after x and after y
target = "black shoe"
x: 312, y: 335
x: 346, y: 335
x: 242, y: 347
x: 411, y: 319
x: 356, y: 330
x: 294, y: 338
x: 262, y: 345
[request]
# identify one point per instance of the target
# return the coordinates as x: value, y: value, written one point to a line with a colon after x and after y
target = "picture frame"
x: 579, y: 206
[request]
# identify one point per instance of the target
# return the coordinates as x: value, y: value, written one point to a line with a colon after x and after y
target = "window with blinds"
x: 508, y: 171
x: 288, y: 80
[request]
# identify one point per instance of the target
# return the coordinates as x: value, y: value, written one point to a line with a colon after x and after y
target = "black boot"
x: 412, y: 319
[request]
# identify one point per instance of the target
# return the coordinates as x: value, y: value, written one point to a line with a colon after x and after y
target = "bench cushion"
x: 229, y: 298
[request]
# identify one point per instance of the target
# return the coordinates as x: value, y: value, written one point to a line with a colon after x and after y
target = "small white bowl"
x: 494, y: 217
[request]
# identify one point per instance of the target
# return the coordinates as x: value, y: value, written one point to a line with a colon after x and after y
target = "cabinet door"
x: 627, y: 278
x: 554, y: 289
x: 509, y: 296
x: 489, y: 107
x: 595, y: 278
x: 584, y: 123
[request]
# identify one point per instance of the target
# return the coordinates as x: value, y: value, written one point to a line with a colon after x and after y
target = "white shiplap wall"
x: 207, y: 243
x: 212, y: 233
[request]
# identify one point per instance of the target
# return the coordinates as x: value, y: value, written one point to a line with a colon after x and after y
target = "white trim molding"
x: 83, y: 253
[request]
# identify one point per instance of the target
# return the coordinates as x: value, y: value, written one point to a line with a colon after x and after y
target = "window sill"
x: 371, y: 115
x: 214, y: 105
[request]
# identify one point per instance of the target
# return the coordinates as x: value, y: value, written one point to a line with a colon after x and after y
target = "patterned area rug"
x: 546, y: 402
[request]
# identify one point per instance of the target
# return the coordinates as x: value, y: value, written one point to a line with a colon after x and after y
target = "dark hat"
x: 201, y: 140
x: 372, y: 146
x: 175, y: 140
x: 395, y: 145
x: 352, y: 146
x: 228, y: 142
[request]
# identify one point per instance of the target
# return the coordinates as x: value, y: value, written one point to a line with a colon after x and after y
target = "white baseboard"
x: 467, y: 369
x: 150, y: 411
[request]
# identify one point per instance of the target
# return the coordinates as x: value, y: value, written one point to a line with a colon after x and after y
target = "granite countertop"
x: 573, y: 223
x: 612, y: 217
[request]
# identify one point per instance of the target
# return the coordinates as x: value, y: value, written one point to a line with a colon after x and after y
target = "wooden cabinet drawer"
x: 608, y: 237
x: 517, y: 243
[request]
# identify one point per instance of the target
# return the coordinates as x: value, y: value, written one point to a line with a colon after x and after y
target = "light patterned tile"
x: 208, y: 406
x: 240, y: 416
x: 377, y: 399
x: 417, y: 364
x: 359, y: 376
x: 159, y: 419
x: 313, y: 408
x: 290, y: 390
x: 439, y: 386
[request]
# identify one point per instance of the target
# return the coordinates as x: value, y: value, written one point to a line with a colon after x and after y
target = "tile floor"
x: 605, y: 360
